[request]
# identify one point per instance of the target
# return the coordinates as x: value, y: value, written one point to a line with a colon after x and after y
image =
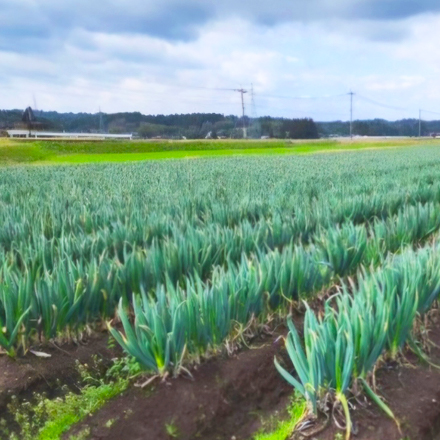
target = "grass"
x: 284, y: 429
x: 49, y: 419
x: 76, y: 407
x: 154, y: 146
x: 13, y: 151
x: 172, y: 430
x: 20, y: 152
x: 43, y: 418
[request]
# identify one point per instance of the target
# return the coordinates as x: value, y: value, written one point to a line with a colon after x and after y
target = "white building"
x: 54, y: 135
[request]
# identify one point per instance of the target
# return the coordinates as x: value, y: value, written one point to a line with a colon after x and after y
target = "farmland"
x: 20, y: 151
x: 183, y: 265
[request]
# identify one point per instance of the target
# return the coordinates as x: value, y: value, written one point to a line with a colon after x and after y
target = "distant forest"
x: 201, y: 125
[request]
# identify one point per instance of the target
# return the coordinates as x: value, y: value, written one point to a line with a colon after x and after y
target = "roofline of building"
x: 52, y: 134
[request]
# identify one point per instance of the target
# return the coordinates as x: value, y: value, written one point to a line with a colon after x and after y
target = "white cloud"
x: 86, y: 67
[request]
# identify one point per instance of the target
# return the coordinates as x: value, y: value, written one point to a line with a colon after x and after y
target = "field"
x: 236, y: 297
x: 16, y: 151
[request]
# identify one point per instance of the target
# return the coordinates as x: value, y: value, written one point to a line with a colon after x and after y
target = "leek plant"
x: 65, y: 296
x: 370, y: 319
x: 74, y: 241
x: 157, y: 337
x: 343, y: 248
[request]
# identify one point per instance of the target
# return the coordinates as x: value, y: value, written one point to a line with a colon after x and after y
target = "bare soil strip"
x: 413, y: 393
x: 228, y: 397
x: 30, y: 374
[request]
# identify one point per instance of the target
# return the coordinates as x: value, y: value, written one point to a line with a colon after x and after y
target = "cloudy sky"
x: 178, y: 56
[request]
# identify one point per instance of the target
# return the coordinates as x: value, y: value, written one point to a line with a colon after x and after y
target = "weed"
x: 172, y: 430
x: 46, y: 419
x: 81, y: 435
x: 283, y: 429
x: 110, y: 423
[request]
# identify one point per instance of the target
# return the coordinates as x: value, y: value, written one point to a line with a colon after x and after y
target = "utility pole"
x: 35, y: 104
x: 254, y: 108
x: 420, y: 123
x: 242, y: 92
x: 254, y: 121
x: 101, y: 125
x: 351, y: 114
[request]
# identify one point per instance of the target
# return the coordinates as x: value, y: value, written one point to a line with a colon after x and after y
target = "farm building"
x: 52, y: 135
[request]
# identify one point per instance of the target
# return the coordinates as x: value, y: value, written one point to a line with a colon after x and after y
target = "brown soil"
x: 413, y: 394
x: 229, y: 397
x: 225, y: 400
x: 28, y: 374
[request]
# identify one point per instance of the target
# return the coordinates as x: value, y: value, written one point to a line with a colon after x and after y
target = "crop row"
x: 74, y: 241
x: 137, y: 204
x: 371, y: 319
x: 197, y: 317
x: 35, y: 301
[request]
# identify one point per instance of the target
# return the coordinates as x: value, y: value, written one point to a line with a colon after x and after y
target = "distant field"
x: 40, y: 152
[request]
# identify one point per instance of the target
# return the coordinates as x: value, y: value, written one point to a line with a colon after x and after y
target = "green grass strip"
x: 76, y: 152
x: 63, y: 413
x: 284, y: 428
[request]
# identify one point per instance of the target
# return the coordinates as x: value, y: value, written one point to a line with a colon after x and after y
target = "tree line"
x: 214, y: 125
x: 191, y: 126
x: 379, y: 127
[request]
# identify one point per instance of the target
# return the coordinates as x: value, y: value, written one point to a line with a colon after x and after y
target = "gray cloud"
x: 169, y: 19
x: 392, y: 9
x: 117, y: 53
x: 26, y: 24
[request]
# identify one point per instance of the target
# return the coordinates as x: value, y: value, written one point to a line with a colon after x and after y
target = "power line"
x: 302, y: 97
x: 429, y: 111
x: 242, y: 92
x: 116, y: 88
x: 126, y: 91
x: 120, y: 92
x: 372, y: 101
